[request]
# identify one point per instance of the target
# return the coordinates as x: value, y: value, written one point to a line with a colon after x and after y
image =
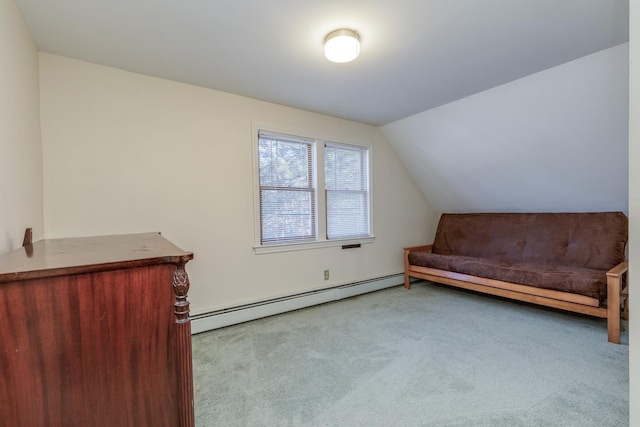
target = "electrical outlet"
x: 326, y: 275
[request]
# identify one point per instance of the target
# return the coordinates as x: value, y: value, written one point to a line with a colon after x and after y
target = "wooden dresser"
x: 95, y: 331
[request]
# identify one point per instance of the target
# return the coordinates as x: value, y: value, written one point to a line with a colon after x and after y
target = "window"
x: 310, y: 192
x: 287, y: 196
x: 346, y: 171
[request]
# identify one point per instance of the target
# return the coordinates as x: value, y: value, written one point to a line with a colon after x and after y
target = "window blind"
x: 287, y: 194
x: 347, y: 191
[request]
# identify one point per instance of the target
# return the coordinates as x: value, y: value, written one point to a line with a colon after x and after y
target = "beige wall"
x: 634, y: 213
x: 127, y: 153
x: 20, y: 147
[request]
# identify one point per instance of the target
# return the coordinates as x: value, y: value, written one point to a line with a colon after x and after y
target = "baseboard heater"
x: 230, y: 316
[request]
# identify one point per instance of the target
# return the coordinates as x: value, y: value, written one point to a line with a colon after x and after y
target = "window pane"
x: 345, y: 169
x: 284, y: 164
x: 287, y: 215
x: 347, y: 214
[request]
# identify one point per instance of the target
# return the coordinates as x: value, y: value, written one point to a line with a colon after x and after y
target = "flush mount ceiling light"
x: 342, y: 45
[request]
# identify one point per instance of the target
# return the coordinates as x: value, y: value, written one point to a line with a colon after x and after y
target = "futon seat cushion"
x: 577, y: 280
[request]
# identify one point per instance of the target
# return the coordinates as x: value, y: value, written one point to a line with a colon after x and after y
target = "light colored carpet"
x: 430, y: 356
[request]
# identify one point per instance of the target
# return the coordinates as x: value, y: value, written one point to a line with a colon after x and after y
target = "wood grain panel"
x: 93, y: 349
x: 96, y: 332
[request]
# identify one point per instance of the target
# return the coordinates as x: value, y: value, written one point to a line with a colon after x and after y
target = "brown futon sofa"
x: 570, y: 261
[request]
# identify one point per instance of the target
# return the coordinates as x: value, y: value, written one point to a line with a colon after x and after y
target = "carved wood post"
x: 183, y: 347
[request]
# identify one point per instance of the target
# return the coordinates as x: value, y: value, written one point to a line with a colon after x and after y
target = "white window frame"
x: 321, y: 240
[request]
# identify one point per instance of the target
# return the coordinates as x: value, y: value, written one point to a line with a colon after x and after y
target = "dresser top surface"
x: 53, y: 257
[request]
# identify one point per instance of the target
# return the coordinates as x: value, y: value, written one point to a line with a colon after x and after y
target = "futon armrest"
x: 407, y: 251
x: 423, y: 248
x: 618, y: 270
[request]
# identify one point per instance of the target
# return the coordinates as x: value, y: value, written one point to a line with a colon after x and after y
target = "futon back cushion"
x: 594, y: 240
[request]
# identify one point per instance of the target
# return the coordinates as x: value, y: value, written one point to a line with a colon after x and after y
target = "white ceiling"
x: 415, y: 54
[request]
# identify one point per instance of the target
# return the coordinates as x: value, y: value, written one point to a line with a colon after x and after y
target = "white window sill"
x: 288, y: 247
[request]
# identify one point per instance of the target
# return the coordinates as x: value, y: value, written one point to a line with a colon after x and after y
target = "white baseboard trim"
x: 234, y: 315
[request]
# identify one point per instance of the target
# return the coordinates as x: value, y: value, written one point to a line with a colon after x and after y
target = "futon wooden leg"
x: 613, y: 309
x: 407, y: 279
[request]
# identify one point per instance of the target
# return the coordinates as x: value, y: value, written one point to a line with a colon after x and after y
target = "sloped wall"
x: 553, y: 141
x: 20, y: 145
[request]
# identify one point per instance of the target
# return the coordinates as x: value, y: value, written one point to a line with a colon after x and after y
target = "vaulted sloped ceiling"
x: 553, y: 141
x: 416, y: 54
